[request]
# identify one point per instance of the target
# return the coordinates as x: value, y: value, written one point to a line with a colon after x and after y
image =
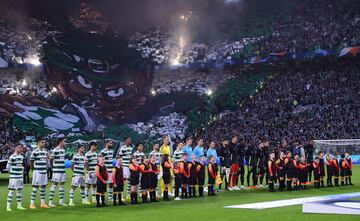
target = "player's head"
x: 80, y: 149
x: 127, y: 141
x: 101, y: 159
x: 342, y: 155
x: 200, y: 142
x: 225, y: 142
x: 92, y: 146
x: 118, y: 161
x: 60, y: 142
x: 193, y: 158
x: 317, y: 159
x: 296, y: 156
x: 108, y: 143
x: 166, y: 140
x: 139, y: 147
x: 234, y: 139
x: 180, y: 146
x: 41, y: 142
x: 156, y: 146
x: 189, y: 141
x: 18, y: 148
x: 212, y: 144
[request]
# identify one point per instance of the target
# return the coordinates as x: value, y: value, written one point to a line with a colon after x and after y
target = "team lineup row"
x: 186, y: 170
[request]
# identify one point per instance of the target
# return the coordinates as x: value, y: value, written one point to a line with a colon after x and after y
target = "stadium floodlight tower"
x: 340, y: 146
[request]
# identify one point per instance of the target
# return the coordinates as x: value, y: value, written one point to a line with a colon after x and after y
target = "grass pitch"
x: 207, y: 208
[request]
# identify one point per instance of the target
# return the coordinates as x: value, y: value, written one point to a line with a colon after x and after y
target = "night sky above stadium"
x: 128, y: 16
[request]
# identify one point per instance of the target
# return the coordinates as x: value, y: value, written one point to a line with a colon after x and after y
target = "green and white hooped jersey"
x: 40, y: 158
x: 91, y: 158
x: 108, y: 154
x: 177, y: 156
x: 16, y: 167
x: 125, y: 153
x: 79, y: 164
x: 58, y: 156
x: 156, y: 154
x: 138, y: 155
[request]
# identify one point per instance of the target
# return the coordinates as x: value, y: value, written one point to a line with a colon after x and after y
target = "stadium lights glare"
x: 24, y: 83
x: 153, y: 92
x: 54, y: 90
x: 34, y: 60
x: 209, y: 92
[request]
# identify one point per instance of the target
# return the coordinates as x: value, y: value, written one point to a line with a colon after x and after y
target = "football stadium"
x: 182, y: 109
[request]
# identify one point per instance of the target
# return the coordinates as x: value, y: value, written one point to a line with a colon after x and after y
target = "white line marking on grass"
x: 292, y: 202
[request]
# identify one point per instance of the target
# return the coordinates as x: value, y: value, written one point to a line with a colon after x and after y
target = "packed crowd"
x: 24, y: 88
x: 22, y: 41
x: 165, y: 47
x: 312, y: 25
x: 182, y: 170
x: 315, y: 24
x: 317, y: 102
x: 188, y: 81
x: 173, y: 124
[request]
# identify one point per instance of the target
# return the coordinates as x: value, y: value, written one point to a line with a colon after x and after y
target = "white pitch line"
x: 292, y: 202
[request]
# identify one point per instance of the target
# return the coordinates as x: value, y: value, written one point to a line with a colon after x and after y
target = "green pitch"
x: 207, y: 208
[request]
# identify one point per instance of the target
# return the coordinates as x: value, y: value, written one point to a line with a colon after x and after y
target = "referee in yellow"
x: 165, y: 149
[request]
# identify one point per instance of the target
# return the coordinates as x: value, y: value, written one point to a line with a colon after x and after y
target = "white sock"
x: 9, y: 199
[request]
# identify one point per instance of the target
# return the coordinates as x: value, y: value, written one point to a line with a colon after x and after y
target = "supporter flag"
x: 218, y: 180
x: 349, y: 51
x: 277, y: 56
x: 318, y: 53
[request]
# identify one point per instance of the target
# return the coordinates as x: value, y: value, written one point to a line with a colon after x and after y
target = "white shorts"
x: 78, y: 180
x: 90, y: 178
x: 110, y: 180
x: 126, y: 172
x: 39, y: 179
x: 16, y: 184
x: 59, y: 177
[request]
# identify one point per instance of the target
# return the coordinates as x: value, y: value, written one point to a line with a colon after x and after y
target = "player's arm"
x: 98, y: 175
x: 32, y: 159
x: 212, y: 174
x: 9, y: 164
x: 198, y: 168
x: 167, y: 164
x: 114, y: 176
x: 133, y: 168
x: 87, y: 163
x: 270, y: 168
x: 72, y: 164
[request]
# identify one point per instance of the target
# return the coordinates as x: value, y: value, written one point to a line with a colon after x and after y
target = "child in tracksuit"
x: 317, y: 172
x: 102, y: 176
x: 211, y: 176
x: 118, y: 179
x: 200, y: 174
x: 349, y: 172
